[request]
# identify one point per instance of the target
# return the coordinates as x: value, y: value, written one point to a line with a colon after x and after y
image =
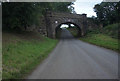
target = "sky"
x: 86, y: 6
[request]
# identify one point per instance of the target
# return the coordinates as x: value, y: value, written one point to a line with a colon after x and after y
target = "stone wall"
x: 42, y: 27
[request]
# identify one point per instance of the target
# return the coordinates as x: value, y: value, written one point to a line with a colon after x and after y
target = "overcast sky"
x: 86, y: 6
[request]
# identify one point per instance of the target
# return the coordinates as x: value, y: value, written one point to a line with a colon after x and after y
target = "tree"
x: 17, y: 15
x: 21, y: 15
x: 108, y: 12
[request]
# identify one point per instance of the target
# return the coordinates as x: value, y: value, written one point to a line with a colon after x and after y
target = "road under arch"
x: 54, y: 20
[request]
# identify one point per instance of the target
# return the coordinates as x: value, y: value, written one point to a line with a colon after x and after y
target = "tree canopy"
x: 108, y: 12
x: 18, y: 15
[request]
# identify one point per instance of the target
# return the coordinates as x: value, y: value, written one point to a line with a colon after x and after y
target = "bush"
x: 112, y: 30
x: 94, y: 31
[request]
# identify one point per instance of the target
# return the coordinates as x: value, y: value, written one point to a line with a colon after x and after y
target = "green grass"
x: 22, y: 56
x: 111, y: 30
x: 101, y: 40
x: 73, y: 31
x: 106, y: 37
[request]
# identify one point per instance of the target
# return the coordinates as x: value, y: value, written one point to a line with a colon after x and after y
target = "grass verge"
x: 111, y: 30
x: 21, y: 54
x: 74, y: 31
x: 102, y: 40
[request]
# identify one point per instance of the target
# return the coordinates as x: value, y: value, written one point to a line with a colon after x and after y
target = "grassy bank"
x: 106, y: 37
x: 111, y: 30
x: 74, y: 31
x: 22, y: 53
x: 101, y: 40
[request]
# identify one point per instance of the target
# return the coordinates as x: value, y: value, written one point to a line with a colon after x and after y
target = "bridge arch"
x: 54, y: 20
x: 76, y: 25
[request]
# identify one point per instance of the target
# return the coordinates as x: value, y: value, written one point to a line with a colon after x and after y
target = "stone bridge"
x: 54, y: 20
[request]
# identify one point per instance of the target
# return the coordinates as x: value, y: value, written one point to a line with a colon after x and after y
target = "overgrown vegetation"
x: 107, y: 12
x: 112, y: 30
x: 74, y: 31
x: 22, y: 15
x: 101, y: 40
x: 107, y: 36
x: 22, y: 53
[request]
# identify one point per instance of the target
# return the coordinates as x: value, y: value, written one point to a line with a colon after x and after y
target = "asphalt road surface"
x: 74, y: 59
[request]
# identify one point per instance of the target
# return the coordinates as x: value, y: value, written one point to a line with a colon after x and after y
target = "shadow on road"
x: 65, y: 34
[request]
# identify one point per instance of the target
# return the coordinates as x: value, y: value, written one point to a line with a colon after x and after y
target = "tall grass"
x: 106, y: 37
x: 111, y: 30
x: 21, y: 57
x: 102, y: 40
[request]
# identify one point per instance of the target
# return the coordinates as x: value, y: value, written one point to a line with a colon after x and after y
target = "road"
x: 74, y: 59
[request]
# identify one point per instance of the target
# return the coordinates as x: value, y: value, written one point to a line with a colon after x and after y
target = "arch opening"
x: 73, y: 28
